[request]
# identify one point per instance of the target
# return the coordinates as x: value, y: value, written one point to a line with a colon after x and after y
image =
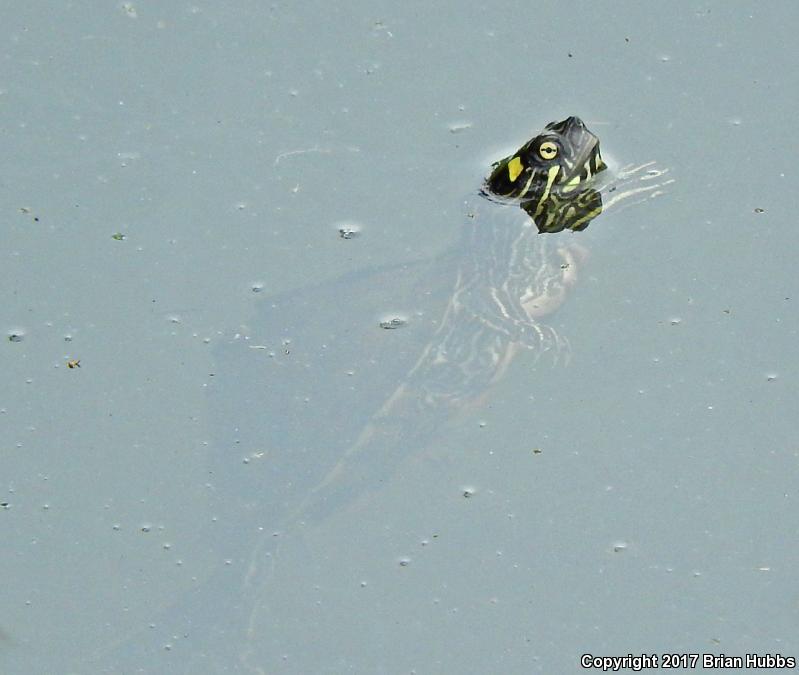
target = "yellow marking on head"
x: 551, y: 175
x: 573, y: 183
x: 515, y: 167
x: 527, y: 184
x: 548, y: 150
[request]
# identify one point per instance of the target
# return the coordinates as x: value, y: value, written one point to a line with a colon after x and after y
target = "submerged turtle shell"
x: 319, y: 385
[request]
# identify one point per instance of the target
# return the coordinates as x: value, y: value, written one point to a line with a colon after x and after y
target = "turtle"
x: 301, y: 428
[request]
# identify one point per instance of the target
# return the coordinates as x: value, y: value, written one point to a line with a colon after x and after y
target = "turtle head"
x: 549, y: 172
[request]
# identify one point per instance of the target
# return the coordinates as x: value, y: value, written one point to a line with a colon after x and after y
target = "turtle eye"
x: 548, y: 150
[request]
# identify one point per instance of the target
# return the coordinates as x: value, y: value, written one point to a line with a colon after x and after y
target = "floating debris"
x: 394, y: 323
x: 459, y: 127
x: 27, y: 211
x: 348, y: 229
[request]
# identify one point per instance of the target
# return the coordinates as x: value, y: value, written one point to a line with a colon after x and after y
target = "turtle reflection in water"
x: 302, y: 428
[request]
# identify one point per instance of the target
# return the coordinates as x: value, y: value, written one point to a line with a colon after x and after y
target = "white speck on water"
x: 459, y: 127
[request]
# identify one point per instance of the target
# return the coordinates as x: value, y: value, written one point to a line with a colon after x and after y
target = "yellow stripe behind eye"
x: 551, y: 175
x: 514, y: 169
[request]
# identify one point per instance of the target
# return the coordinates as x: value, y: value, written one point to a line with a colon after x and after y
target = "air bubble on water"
x: 735, y: 121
